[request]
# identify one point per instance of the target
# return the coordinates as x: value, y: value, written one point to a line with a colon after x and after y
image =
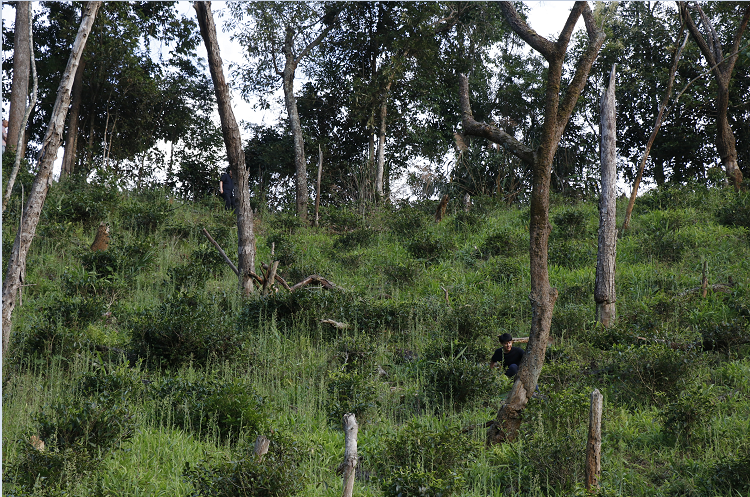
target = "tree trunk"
x: 19, y: 89
x: 654, y: 132
x: 594, y: 442
x: 722, y: 69
x: 381, y: 143
x: 17, y: 264
x: 300, y: 165
x: 604, y: 290
x: 317, y: 185
x: 235, y: 153
x: 20, y: 143
x: 556, y: 116
x: 349, y: 465
x: 71, y: 143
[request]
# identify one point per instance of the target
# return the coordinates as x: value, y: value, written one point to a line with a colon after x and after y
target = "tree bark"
x: 19, y: 88
x: 21, y: 138
x: 349, y: 465
x: 317, y: 186
x: 557, y: 112
x: 379, y: 172
x: 17, y: 264
x: 604, y: 290
x: 722, y: 69
x: 654, y: 132
x: 235, y: 153
x: 594, y: 443
x: 71, y: 143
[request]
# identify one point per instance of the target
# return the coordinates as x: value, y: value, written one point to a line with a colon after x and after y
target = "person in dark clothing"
x: 509, y: 356
x: 226, y: 189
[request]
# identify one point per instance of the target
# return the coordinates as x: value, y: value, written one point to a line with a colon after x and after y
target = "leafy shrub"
x: 464, y: 222
x: 350, y: 392
x: 138, y: 215
x: 502, y: 270
x: 426, y: 246
x: 204, y: 263
x: 459, y: 381
x: 210, y: 407
x: 287, y: 224
x: 278, y: 474
x: 77, y: 437
x: 684, y: 415
x: 341, y: 219
x: 504, y: 242
x: 54, y: 328
x: 649, y: 372
x: 360, y: 237
x: 420, y: 448
x: 736, y: 211
x: 284, y: 248
x: 572, y: 254
x: 403, y: 273
x: 79, y: 202
x: 185, y: 326
x: 407, y: 482
x: 725, y: 336
x: 569, y: 224
x: 406, y: 221
x: 730, y: 476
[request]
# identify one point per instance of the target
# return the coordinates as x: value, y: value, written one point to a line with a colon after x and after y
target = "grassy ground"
x: 145, y: 373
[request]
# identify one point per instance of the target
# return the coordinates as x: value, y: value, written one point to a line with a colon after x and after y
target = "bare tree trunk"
x: 317, y: 185
x: 235, y: 153
x: 349, y: 465
x: 381, y: 143
x: 722, y: 69
x: 21, y: 138
x: 17, y: 264
x: 604, y: 289
x: 654, y: 132
x: 71, y: 143
x: 594, y: 443
x: 557, y: 112
x: 19, y: 88
x: 300, y: 164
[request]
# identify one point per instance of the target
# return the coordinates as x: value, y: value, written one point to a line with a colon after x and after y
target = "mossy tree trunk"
x: 236, y: 155
x: 47, y: 155
x: 557, y: 112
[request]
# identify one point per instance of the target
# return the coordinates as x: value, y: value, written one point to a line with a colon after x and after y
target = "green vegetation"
x: 145, y: 373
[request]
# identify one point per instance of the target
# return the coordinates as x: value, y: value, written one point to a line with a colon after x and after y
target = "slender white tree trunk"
x: 51, y: 143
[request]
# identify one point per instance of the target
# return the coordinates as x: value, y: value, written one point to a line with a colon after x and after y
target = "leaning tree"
x: 558, y: 107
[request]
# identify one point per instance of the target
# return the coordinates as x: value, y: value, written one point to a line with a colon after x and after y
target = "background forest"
x: 141, y: 369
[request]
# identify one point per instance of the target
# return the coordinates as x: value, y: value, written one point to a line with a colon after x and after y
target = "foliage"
x: 77, y: 201
x: 145, y: 217
x: 736, y: 211
x: 212, y: 408
x: 407, y: 482
x: 186, y: 326
x: 351, y: 392
x: 457, y: 381
x: 77, y: 436
x: 277, y: 474
x: 684, y: 416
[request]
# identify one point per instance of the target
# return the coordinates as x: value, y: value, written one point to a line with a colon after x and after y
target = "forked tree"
x: 51, y: 143
x: 722, y: 66
x: 557, y: 111
x: 235, y: 153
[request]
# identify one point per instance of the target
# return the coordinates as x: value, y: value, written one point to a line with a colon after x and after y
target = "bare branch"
x: 534, y: 39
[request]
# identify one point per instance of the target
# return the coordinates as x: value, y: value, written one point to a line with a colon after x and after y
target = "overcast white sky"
x: 546, y: 18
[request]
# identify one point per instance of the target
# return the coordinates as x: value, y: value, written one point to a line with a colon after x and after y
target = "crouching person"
x: 508, y: 356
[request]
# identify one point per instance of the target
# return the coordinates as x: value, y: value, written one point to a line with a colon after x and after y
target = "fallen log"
x: 223, y: 254
x: 314, y: 278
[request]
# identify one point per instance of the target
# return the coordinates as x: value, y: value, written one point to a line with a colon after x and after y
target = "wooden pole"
x: 223, y: 254
x: 348, y: 467
x: 594, y: 444
x: 261, y: 446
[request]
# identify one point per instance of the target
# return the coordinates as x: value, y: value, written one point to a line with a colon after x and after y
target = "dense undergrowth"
x: 145, y: 373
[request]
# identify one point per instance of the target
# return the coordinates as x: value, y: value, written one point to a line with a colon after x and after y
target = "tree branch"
x: 488, y: 131
x: 534, y: 39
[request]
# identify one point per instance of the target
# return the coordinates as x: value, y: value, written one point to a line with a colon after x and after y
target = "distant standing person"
x: 509, y: 356
x: 226, y: 188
